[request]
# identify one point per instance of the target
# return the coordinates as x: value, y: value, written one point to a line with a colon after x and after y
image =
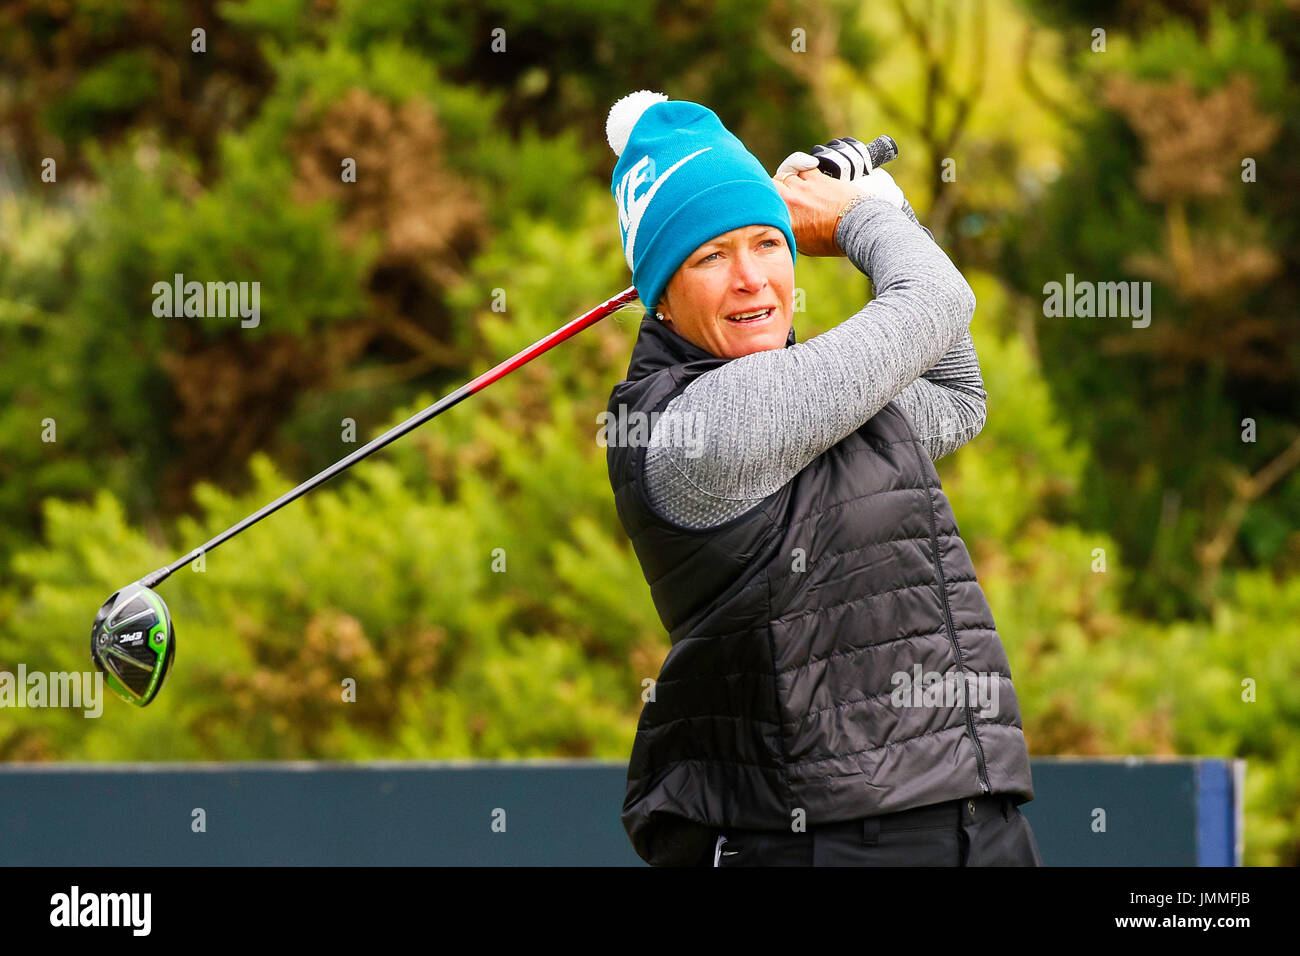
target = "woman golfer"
x: 836, y: 692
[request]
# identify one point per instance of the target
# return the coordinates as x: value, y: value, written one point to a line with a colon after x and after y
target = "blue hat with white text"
x: 682, y: 179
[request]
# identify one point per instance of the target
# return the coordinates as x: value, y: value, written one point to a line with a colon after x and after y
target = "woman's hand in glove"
x: 850, y: 158
x: 816, y: 202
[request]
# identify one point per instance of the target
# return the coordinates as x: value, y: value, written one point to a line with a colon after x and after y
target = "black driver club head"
x: 133, y: 643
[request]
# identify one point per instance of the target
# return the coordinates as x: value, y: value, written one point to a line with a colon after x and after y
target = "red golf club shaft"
x: 397, y: 431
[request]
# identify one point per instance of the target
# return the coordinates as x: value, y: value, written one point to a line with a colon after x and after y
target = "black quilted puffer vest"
x: 780, y: 700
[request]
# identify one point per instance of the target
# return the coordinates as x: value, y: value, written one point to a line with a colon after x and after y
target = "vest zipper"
x: 952, y: 633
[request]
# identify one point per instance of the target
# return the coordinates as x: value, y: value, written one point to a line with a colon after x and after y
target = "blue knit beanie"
x: 682, y: 179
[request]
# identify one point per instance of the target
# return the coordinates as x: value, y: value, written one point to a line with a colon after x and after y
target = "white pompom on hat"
x: 624, y: 114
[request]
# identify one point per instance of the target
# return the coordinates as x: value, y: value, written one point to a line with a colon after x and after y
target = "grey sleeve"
x: 763, y: 417
x: 947, y: 404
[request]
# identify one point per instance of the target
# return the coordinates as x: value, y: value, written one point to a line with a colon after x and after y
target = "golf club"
x: 133, y: 638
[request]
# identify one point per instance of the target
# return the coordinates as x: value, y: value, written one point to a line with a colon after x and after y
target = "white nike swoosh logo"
x: 643, y: 202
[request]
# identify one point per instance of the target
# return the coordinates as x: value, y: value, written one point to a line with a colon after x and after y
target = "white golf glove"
x: 877, y: 183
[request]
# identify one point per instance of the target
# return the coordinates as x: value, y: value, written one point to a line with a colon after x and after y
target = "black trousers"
x: 978, y: 831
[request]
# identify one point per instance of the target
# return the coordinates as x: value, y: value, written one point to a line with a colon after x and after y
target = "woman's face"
x: 746, y: 270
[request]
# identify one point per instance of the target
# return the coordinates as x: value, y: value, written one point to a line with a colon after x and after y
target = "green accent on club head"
x: 117, y: 687
x: 158, y: 641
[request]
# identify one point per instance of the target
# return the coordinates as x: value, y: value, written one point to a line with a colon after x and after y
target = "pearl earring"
x: 661, y: 316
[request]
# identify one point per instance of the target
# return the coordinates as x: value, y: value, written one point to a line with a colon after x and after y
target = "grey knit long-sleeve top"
x: 756, y: 421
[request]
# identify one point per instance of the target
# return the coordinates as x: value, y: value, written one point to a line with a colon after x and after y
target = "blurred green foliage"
x: 1154, y: 190
x: 1140, y: 558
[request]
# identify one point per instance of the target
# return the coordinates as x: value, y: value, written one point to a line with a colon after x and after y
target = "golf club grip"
x: 834, y: 162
